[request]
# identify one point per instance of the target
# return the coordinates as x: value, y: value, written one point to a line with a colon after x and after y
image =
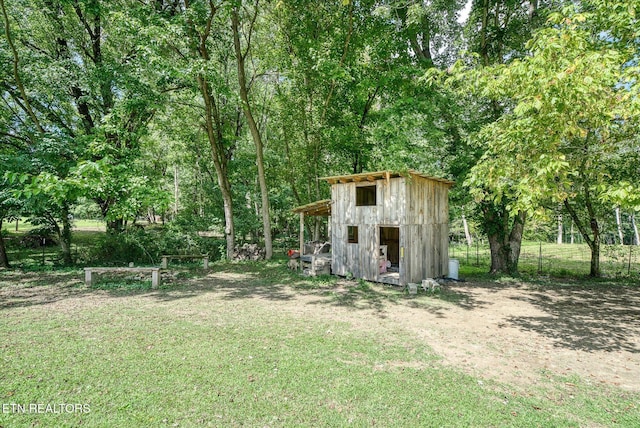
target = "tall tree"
x: 242, y: 54
x: 103, y: 97
x: 497, y: 31
x: 573, y: 120
x: 196, y: 48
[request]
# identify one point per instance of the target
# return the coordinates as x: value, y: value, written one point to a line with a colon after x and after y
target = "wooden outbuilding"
x: 387, y: 226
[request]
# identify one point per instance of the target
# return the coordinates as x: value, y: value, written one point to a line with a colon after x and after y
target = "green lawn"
x: 23, y: 225
x: 224, y: 353
x: 556, y: 259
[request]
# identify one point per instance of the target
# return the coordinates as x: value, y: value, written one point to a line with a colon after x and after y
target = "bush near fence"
x: 554, y: 259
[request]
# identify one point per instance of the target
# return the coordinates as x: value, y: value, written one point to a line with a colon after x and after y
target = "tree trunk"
x: 515, y: 241
x: 316, y: 228
x: 214, y: 135
x: 572, y: 239
x: 635, y: 229
x: 4, y: 258
x: 595, y: 259
x: 592, y: 239
x: 214, y: 128
x: 467, y: 235
x: 199, y: 188
x: 505, y: 238
x: 176, y: 190
x: 65, y: 237
x: 484, y: 30
x: 115, y: 227
x: 533, y: 7
x: 594, y: 244
x: 498, y: 261
x: 559, y: 238
x: 255, y: 133
x: 619, y: 224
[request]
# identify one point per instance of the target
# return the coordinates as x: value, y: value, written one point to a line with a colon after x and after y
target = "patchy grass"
x: 205, y: 352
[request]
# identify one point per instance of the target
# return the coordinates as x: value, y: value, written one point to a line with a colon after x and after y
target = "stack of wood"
x: 248, y: 252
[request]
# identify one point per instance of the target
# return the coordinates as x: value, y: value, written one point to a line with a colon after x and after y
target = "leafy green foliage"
x: 148, y: 245
x: 570, y: 110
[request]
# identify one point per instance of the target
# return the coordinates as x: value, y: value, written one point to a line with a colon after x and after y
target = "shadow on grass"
x: 375, y: 297
x: 264, y: 280
x: 30, y: 288
x: 356, y: 295
x: 591, y: 317
x: 578, y: 313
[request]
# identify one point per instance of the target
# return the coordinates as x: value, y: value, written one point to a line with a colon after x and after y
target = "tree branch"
x: 83, y: 19
x: 340, y: 64
x: 16, y: 61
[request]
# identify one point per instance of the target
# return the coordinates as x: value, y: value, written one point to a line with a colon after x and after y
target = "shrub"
x: 34, y: 237
x: 146, y: 246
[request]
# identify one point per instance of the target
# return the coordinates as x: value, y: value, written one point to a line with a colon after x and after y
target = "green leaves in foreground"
x: 569, y: 108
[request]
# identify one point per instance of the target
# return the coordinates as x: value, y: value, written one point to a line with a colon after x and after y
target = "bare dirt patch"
x: 519, y: 335
x: 514, y: 333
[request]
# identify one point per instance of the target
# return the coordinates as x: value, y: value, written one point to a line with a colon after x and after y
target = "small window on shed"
x: 365, y: 195
x: 352, y: 234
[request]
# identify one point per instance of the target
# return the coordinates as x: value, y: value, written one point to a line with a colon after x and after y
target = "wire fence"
x: 549, y: 258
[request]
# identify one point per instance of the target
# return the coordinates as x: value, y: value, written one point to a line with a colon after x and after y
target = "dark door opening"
x: 390, y: 237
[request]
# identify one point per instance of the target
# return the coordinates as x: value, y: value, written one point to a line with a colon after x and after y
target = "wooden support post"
x: 164, y: 262
x: 205, y: 262
x: 155, y: 278
x: 87, y: 277
x: 301, y: 234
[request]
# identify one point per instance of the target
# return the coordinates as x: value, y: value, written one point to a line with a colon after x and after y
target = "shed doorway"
x: 389, y: 255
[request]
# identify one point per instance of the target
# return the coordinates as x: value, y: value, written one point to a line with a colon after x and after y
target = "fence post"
x: 540, y: 260
x: 467, y: 254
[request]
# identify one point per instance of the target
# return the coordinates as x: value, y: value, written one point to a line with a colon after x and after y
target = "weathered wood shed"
x: 389, y: 227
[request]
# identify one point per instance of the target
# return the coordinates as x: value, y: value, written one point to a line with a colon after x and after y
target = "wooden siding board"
x: 413, y: 213
x: 435, y: 250
x: 352, y: 257
x: 371, y: 257
x: 338, y: 243
x: 349, y: 200
x: 444, y: 243
x: 420, y: 213
x: 426, y: 203
x: 436, y: 204
x: 403, y: 254
x: 409, y: 252
x: 400, y: 205
x: 380, y: 198
x: 391, y: 216
x: 427, y: 251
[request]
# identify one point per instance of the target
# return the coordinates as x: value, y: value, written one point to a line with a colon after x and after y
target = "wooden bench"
x: 155, y: 273
x: 205, y: 259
